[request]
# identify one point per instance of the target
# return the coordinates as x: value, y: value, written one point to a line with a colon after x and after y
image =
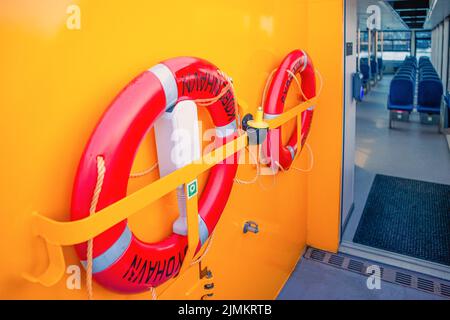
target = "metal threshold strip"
x: 397, y: 260
x: 394, y: 275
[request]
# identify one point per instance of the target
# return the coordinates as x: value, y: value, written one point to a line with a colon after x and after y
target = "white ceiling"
x: 389, y: 18
x: 440, y: 10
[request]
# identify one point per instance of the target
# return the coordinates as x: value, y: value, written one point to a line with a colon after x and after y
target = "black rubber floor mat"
x: 408, y: 217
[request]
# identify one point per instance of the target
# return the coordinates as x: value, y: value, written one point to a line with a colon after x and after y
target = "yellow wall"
x: 325, y: 41
x: 55, y: 83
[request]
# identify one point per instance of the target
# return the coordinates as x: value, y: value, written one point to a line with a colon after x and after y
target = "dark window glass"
x: 396, y: 45
x: 423, y: 35
x: 401, y: 45
x: 423, y: 44
x: 364, y: 37
x: 397, y: 35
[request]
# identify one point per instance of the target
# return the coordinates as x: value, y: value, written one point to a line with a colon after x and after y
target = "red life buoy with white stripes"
x: 121, y: 261
x: 297, y: 62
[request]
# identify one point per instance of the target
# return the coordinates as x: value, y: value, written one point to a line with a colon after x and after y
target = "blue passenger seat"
x: 431, y: 91
x: 401, y: 96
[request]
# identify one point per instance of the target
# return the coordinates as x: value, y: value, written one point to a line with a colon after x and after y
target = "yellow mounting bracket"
x: 57, y: 233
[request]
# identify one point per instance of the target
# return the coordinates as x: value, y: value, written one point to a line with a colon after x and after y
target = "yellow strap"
x: 58, y: 234
x: 295, y: 112
x: 193, y: 230
x: 299, y: 136
x: 70, y: 233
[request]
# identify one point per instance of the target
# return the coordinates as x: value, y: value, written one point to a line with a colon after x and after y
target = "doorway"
x: 395, y: 181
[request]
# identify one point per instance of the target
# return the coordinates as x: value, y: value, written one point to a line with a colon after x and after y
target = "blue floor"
x: 313, y: 280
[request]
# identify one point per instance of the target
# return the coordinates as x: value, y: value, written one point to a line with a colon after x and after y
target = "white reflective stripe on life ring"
x: 292, y: 151
x: 202, y: 230
x: 169, y: 84
x: 113, y: 254
x: 305, y: 61
x: 226, y: 130
x: 268, y: 116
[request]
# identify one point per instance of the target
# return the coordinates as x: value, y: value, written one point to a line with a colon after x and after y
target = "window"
x: 423, y: 44
x: 396, y: 45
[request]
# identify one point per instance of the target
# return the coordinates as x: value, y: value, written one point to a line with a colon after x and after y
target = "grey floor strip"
x: 389, y: 274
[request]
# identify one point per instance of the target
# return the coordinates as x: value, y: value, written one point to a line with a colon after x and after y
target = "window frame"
x: 393, y: 47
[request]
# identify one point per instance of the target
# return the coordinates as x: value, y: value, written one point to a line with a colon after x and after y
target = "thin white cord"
x: 311, y: 161
x: 208, y: 246
x: 143, y: 173
x: 153, y: 293
x: 101, y: 169
x: 321, y: 83
x: 258, y: 169
x: 298, y: 84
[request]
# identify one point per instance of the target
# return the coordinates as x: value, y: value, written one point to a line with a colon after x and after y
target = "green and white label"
x: 192, y: 189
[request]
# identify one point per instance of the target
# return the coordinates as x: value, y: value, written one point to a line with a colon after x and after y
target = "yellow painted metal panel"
x: 324, y: 182
x: 56, y: 82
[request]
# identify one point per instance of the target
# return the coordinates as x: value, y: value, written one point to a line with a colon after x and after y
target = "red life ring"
x: 297, y: 62
x: 121, y: 261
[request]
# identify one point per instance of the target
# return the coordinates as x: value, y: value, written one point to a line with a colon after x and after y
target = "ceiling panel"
x: 406, y: 14
x: 390, y: 20
x: 440, y: 9
x: 412, y: 12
